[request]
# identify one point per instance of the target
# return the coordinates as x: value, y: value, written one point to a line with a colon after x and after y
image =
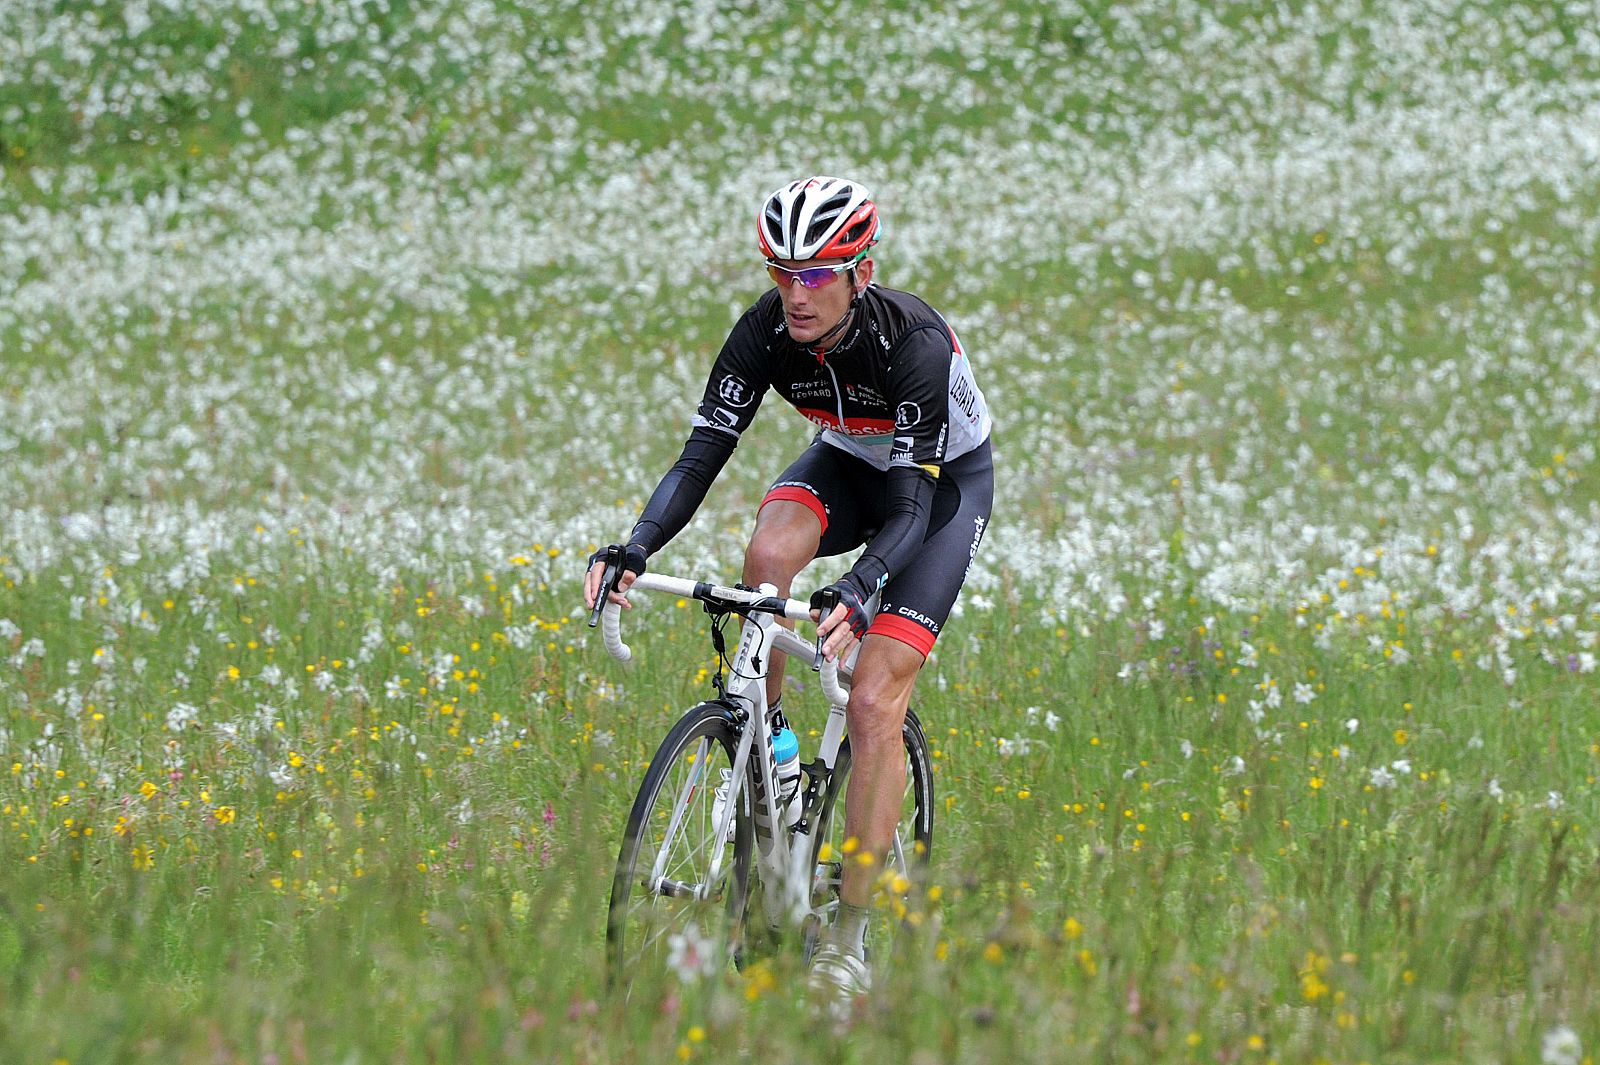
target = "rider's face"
x: 811, y: 312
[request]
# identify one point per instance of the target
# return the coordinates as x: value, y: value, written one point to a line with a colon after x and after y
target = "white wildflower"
x: 691, y: 955
x: 1560, y: 1046
x: 181, y: 716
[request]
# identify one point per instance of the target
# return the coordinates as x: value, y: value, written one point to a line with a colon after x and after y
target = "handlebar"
x: 731, y: 599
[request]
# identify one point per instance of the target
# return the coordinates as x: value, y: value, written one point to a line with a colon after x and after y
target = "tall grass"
x: 336, y: 336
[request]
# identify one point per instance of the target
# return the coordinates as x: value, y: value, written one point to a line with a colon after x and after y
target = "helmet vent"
x: 827, y: 215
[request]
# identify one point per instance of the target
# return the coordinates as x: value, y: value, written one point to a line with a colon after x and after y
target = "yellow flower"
x: 1312, y: 986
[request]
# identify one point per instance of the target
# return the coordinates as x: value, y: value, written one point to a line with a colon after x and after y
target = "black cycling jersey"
x: 897, y: 392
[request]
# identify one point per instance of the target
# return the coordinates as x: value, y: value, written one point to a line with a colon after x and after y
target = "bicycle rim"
x: 665, y: 913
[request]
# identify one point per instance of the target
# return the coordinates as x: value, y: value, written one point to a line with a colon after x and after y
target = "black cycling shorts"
x: 848, y: 497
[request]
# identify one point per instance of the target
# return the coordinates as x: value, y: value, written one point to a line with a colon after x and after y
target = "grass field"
x: 334, y: 336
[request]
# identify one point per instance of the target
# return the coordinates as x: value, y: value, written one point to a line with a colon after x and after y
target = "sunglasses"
x: 810, y: 277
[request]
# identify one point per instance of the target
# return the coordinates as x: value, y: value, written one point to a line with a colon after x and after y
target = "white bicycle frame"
x: 783, y: 854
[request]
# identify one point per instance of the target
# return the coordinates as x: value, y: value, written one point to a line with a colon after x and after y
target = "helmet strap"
x: 837, y: 326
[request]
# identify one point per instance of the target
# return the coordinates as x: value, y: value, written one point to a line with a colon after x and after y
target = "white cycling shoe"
x: 838, y: 975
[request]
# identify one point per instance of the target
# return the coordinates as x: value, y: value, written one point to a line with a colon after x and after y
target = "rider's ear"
x: 863, y: 276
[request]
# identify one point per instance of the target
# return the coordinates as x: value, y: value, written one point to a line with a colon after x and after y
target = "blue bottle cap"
x: 785, y: 745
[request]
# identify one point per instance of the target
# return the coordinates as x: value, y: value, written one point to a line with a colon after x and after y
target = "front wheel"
x: 831, y: 850
x: 668, y: 909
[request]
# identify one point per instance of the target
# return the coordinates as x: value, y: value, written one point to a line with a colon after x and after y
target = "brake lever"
x: 823, y: 600
x: 608, y: 583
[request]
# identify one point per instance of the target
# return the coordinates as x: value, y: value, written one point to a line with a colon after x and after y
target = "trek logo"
x: 920, y: 618
x: 906, y: 415
x: 733, y: 392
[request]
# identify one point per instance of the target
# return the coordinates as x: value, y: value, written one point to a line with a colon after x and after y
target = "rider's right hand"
x: 633, y: 564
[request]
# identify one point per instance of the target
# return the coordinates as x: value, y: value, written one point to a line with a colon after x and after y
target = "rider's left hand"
x: 846, y: 623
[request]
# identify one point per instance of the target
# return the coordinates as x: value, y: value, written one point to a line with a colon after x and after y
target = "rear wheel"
x: 667, y: 910
x: 913, y: 839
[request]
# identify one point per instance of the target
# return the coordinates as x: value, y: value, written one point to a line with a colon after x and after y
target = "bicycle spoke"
x: 674, y: 843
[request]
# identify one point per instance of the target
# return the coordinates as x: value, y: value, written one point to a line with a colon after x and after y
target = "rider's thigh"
x: 786, y: 537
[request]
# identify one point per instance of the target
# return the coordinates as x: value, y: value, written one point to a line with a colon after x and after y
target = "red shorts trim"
x: 798, y: 495
x: 909, y: 633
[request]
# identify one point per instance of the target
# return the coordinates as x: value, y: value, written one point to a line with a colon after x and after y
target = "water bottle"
x: 786, y: 753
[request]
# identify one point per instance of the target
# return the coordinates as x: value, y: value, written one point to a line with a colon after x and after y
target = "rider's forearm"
x: 905, y: 527
x: 683, y: 489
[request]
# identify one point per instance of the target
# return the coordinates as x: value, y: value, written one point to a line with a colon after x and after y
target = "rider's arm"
x: 683, y: 489
x: 732, y: 395
x: 910, y: 493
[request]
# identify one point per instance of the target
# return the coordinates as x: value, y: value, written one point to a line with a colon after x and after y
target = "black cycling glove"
x: 633, y: 557
x: 844, y: 593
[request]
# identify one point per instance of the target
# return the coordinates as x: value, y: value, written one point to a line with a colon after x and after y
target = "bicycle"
x: 706, y: 831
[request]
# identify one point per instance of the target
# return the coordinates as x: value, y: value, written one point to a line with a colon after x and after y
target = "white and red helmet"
x: 818, y: 218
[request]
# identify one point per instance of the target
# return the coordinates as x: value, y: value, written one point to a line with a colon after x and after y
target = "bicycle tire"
x: 912, y: 849
x: 642, y: 920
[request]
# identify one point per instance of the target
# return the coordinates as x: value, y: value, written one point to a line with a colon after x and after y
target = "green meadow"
x: 333, y: 338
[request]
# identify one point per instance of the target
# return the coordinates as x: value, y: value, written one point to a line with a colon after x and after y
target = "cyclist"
x: 901, y: 464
